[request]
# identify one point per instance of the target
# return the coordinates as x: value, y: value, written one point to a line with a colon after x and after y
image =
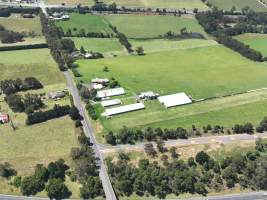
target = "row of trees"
x: 122, y: 39
x: 42, y: 116
x: 12, y: 86
x: 60, y: 48
x: 213, y: 23
x: 196, y: 175
x: 83, y: 33
x: 131, y: 136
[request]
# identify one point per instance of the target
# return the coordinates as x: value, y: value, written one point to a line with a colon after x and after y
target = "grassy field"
x: 16, y: 23
x: 24, y: 63
x: 222, y: 111
x: 239, y: 4
x: 136, y: 26
x: 156, y: 45
x: 175, y: 4
x: 212, y: 72
x: 107, y: 46
x: 40, y: 143
x: 91, y: 23
x: 255, y: 41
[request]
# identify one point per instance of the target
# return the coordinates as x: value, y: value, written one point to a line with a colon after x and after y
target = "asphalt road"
x: 108, y: 189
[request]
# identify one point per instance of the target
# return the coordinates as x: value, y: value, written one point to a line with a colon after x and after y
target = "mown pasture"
x: 200, y: 72
x: 156, y: 45
x: 88, y: 22
x: 255, y: 41
x: 25, y: 63
x: 137, y: 26
x: 238, y: 4
x: 107, y: 46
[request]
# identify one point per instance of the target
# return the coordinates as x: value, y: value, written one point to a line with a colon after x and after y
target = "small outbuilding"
x: 174, y: 100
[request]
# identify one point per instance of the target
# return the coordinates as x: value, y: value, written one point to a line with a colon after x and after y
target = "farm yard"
x: 169, y: 4
x: 239, y: 4
x: 255, y: 41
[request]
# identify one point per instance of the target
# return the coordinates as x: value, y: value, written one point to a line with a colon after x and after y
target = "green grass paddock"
x: 255, y: 41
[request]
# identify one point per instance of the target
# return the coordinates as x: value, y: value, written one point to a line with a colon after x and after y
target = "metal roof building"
x: 112, y: 102
x: 123, y: 109
x: 110, y: 92
x: 174, y: 100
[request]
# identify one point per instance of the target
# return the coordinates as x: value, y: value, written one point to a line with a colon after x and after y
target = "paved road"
x: 223, y: 139
x: 109, y: 192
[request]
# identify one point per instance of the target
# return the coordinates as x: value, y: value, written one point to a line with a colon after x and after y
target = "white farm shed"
x: 110, y: 92
x: 123, y: 109
x: 174, y: 100
x: 112, y: 102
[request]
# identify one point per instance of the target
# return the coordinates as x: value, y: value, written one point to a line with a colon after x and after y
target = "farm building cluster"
x: 106, y: 96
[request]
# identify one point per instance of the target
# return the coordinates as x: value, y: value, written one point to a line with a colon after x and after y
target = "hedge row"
x: 23, y: 47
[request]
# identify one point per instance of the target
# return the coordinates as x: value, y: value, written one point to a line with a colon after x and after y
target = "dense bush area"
x: 7, y: 36
x: 196, y: 175
x: 16, y: 85
x: 29, y: 103
x: 86, y: 169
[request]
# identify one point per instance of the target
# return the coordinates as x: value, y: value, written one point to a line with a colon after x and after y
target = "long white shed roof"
x: 110, y: 92
x: 174, y: 100
x: 112, y: 102
x: 123, y: 109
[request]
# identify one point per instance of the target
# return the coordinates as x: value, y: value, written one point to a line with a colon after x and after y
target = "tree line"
x: 122, y: 39
x: 42, y: 116
x: 133, y: 135
x: 196, y: 175
x: 60, y: 48
x: 214, y: 22
x: 83, y: 33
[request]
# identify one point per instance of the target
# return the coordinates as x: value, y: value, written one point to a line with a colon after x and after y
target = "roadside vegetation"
x: 200, y: 174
